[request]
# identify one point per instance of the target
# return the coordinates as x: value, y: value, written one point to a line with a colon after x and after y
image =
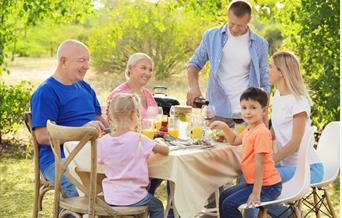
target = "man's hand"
x: 191, y: 95
x: 95, y: 124
x: 194, y: 88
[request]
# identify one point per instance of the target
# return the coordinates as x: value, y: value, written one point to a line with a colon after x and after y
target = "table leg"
x: 171, y: 202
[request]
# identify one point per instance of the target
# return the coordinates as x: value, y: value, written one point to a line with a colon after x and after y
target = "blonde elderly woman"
x: 138, y: 72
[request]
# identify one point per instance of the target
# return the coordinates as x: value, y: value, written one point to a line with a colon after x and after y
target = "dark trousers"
x: 232, y: 198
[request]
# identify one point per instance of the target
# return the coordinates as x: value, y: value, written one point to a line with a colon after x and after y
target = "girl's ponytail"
x: 136, y: 102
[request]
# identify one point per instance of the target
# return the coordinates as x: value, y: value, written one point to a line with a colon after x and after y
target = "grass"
x: 17, y: 184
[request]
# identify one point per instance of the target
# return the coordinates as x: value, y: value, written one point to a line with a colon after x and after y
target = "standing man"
x: 238, y: 60
x: 67, y: 100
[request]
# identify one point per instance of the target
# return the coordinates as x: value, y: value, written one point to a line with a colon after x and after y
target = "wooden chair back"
x: 85, y: 175
x: 92, y: 203
x: 57, y: 136
x: 41, y: 185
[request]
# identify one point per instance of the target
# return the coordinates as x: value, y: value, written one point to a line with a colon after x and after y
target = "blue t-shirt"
x: 67, y: 105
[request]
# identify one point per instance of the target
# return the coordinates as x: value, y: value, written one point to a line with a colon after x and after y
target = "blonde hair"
x: 134, y: 59
x: 288, y: 64
x: 119, y: 112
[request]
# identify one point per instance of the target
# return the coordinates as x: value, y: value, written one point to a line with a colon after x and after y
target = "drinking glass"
x: 164, y: 124
x: 197, y: 128
x: 239, y: 127
x: 159, y: 118
x: 172, y: 111
x: 148, y: 128
x: 152, y: 112
x: 173, y: 127
x: 208, y: 113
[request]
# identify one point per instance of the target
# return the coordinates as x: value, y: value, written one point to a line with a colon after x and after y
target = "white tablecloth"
x: 196, y: 173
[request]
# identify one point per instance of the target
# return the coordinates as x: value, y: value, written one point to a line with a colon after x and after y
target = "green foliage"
x: 169, y: 35
x: 17, y: 15
x: 311, y: 30
x: 319, y: 49
x: 14, y: 101
x: 274, y: 37
x: 30, y: 43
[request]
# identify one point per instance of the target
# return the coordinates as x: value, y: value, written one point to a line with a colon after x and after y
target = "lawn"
x: 16, y: 167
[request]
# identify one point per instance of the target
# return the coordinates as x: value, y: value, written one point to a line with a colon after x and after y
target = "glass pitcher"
x: 182, y: 117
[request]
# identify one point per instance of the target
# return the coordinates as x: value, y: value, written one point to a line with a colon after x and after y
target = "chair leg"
x: 36, y: 205
x: 262, y: 212
x: 331, y: 208
x: 314, y: 193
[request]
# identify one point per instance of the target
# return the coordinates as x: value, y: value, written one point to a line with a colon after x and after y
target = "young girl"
x: 263, y: 181
x: 290, y: 118
x: 124, y: 152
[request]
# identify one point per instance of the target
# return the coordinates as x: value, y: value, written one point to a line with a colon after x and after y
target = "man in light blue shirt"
x: 238, y: 59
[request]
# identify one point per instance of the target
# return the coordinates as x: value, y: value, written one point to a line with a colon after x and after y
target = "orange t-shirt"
x: 255, y: 141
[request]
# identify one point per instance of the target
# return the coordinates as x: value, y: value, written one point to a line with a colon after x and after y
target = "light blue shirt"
x: 211, y: 48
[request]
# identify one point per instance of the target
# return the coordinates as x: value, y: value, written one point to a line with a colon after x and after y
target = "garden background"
x: 169, y: 31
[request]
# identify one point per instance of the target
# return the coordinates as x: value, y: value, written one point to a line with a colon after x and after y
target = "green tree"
x: 311, y: 30
x: 17, y: 15
x: 169, y: 35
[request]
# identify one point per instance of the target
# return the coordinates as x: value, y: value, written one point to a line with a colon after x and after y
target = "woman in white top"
x: 290, y: 117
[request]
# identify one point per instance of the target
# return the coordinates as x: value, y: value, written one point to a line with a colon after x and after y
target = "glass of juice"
x: 148, y: 128
x: 173, y: 128
x: 239, y: 127
x: 197, y: 127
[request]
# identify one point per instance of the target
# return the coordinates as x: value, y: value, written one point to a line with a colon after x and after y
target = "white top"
x: 283, y: 110
x: 234, y: 68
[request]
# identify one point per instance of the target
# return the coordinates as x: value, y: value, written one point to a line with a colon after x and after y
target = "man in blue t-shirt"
x: 67, y: 100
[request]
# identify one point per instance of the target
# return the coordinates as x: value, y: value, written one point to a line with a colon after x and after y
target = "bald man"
x: 67, y: 100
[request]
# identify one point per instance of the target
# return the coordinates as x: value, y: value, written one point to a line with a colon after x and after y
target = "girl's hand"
x: 253, y: 200
x: 218, y: 125
x: 161, y: 147
x: 160, y: 141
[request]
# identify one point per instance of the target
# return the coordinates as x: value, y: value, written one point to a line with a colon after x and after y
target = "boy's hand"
x: 218, y: 125
x: 253, y: 200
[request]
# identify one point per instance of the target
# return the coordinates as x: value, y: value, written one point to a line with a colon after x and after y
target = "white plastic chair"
x: 299, y: 184
x: 328, y: 150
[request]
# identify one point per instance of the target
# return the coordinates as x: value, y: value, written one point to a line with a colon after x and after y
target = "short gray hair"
x: 135, y: 58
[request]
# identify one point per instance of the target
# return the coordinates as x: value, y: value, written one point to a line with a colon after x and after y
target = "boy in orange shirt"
x: 263, y: 182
